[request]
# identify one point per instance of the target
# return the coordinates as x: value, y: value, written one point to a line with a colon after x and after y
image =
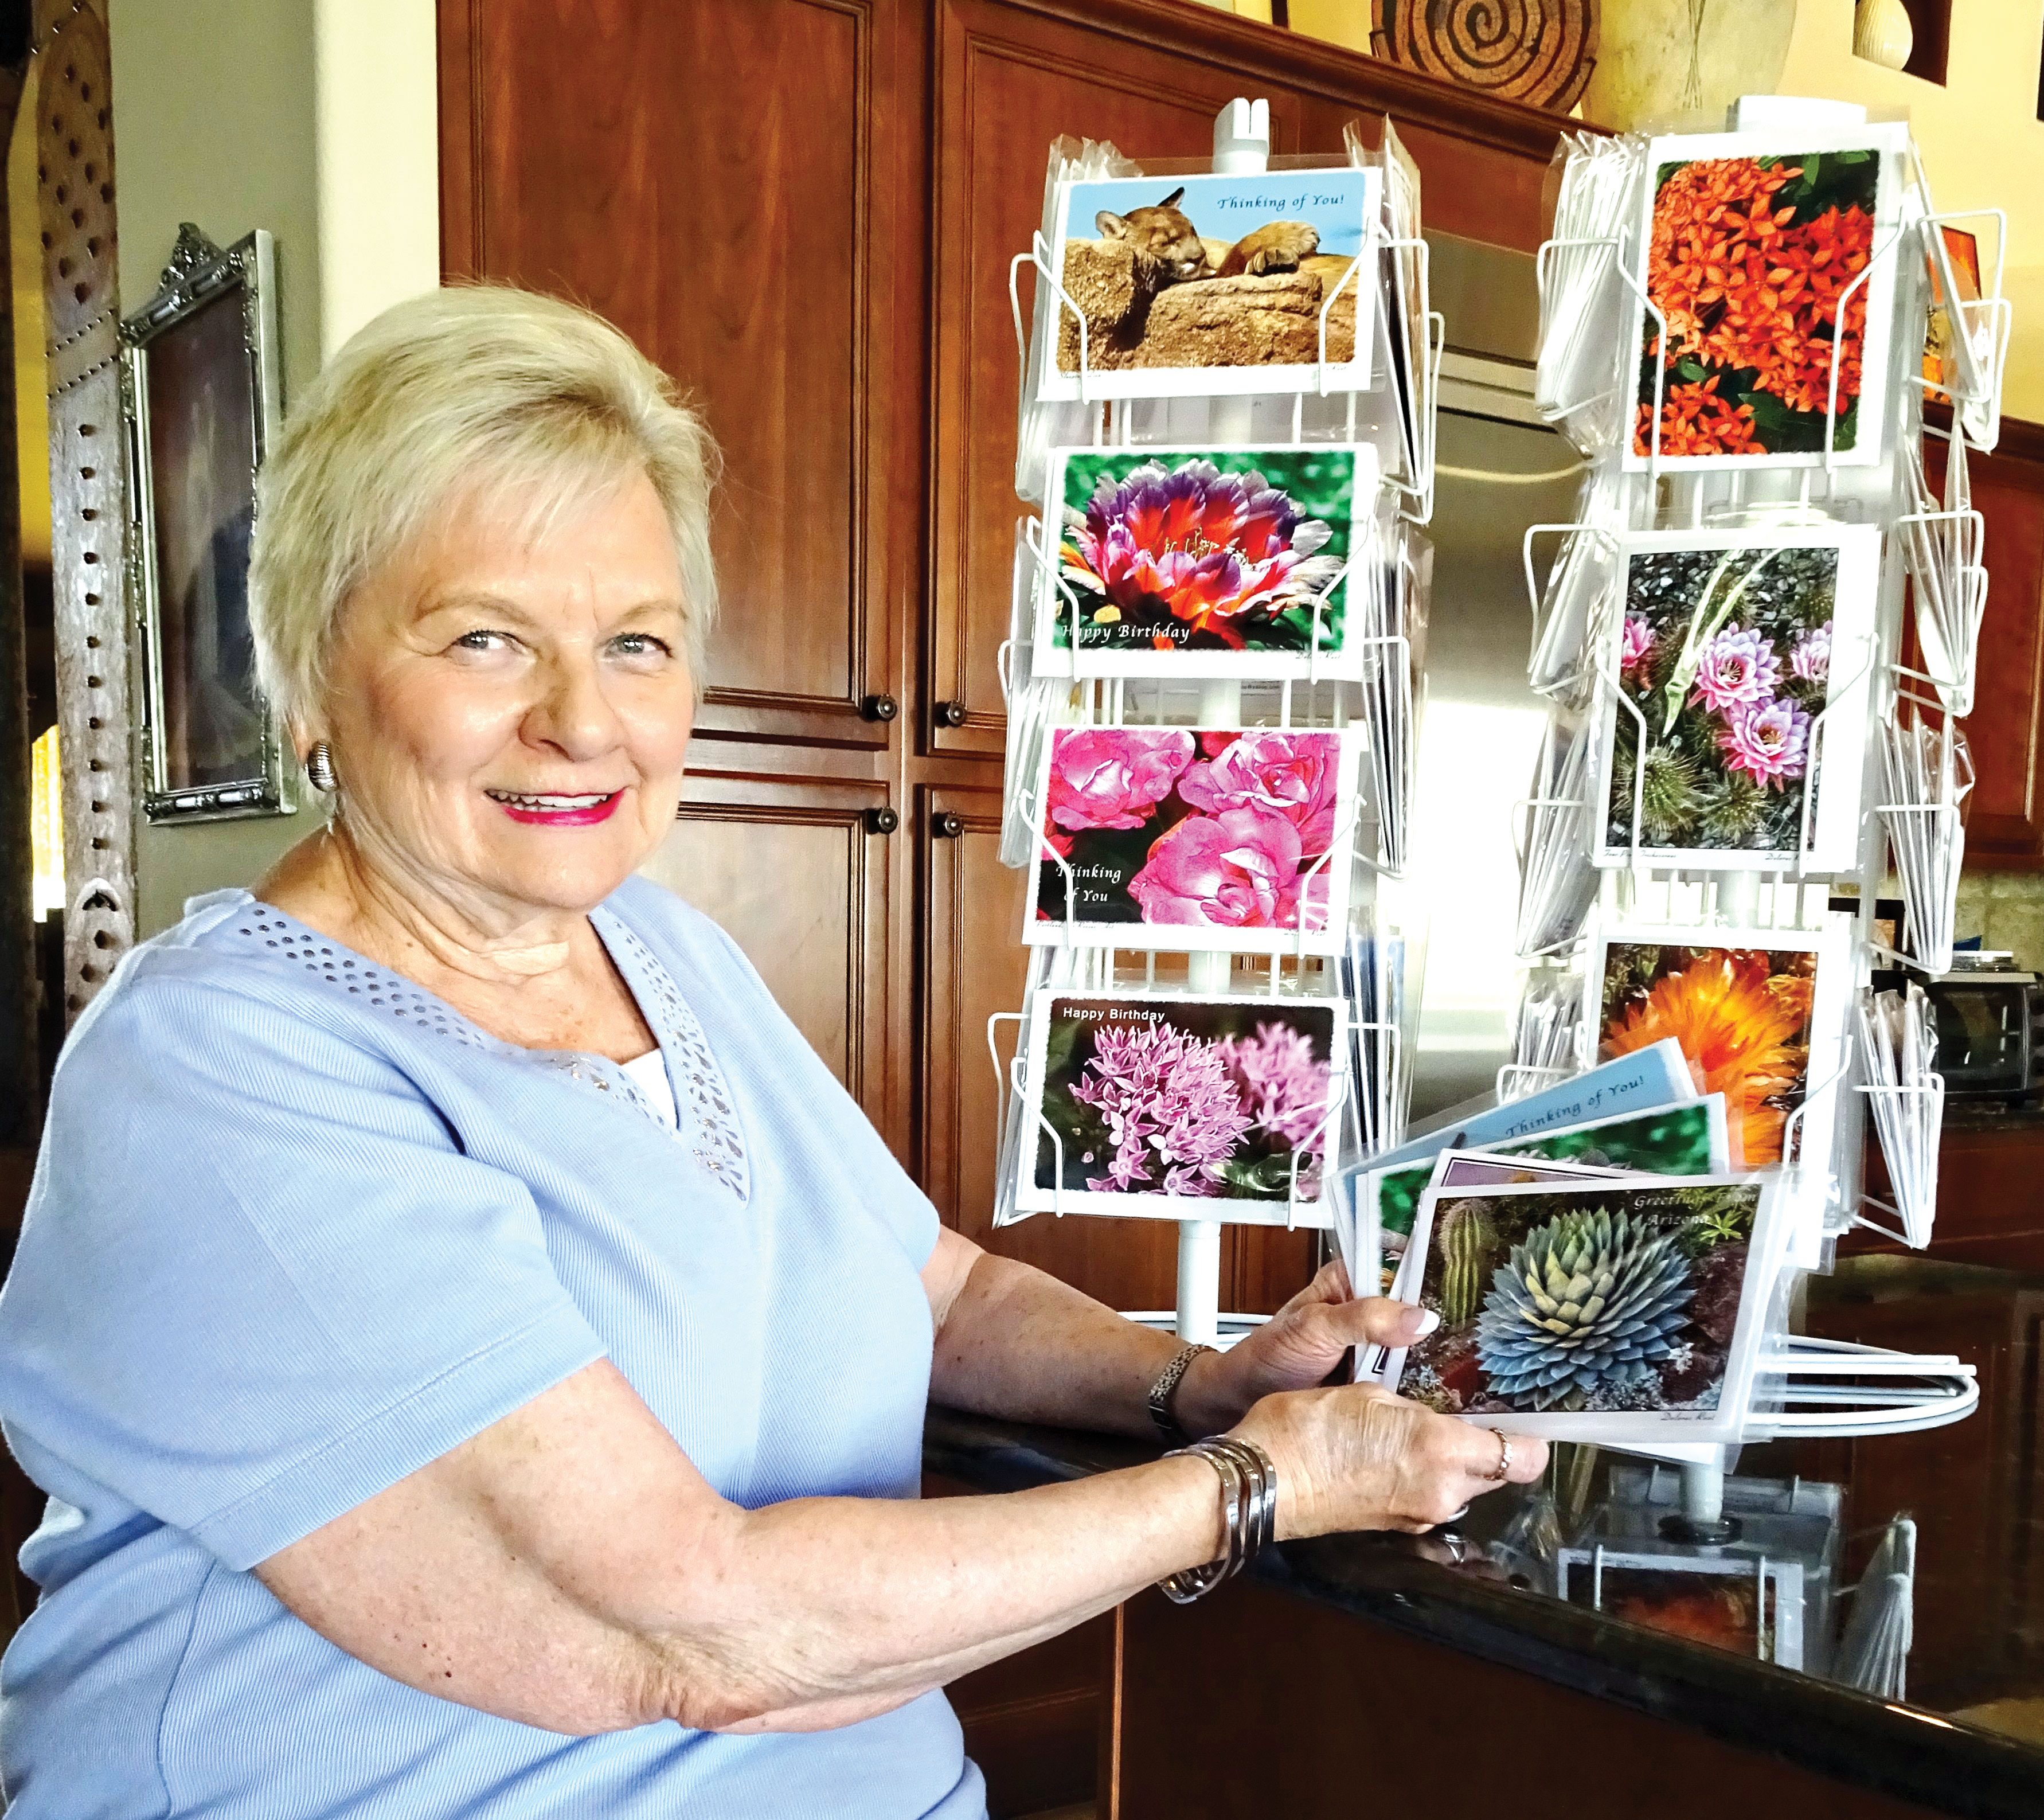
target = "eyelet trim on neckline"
x: 715, y: 1142
x: 718, y: 1145
x: 371, y: 986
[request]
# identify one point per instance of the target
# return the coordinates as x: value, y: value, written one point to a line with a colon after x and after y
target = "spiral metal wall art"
x: 1538, y: 51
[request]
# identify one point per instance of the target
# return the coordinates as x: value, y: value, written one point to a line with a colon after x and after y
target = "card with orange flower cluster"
x: 1240, y: 563
x: 1735, y: 692
x: 1747, y: 248
x: 1758, y: 1013
x: 1214, y: 840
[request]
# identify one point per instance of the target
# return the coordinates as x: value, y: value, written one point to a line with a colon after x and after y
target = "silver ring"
x: 1504, y: 1457
x: 1456, y: 1547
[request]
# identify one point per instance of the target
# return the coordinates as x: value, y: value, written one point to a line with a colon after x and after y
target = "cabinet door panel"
x: 2007, y: 725
x: 1010, y: 82
x: 705, y: 176
x: 789, y: 870
x: 974, y: 966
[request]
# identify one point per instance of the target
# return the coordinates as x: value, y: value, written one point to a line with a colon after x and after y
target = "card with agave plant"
x: 1177, y: 1107
x: 1748, y: 244
x: 1210, y: 562
x: 1760, y: 1014
x: 1750, y: 1604
x: 1462, y: 1169
x: 1595, y: 1311
x: 1219, y: 839
x: 1742, y: 660
x: 1201, y: 284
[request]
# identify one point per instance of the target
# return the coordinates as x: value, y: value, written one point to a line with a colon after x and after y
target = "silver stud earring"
x: 319, y: 768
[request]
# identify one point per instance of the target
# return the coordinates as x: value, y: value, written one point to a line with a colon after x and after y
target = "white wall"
x: 317, y: 120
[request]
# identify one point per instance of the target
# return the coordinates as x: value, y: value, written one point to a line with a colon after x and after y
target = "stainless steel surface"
x: 1482, y: 722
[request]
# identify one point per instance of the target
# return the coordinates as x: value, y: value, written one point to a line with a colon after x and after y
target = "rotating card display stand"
x: 1912, y: 763
x: 1384, y: 579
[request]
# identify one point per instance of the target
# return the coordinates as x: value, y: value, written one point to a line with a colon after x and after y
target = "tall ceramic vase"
x: 1882, y: 32
x: 1685, y: 60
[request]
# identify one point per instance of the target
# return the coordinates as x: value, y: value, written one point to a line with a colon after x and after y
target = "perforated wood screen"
x: 88, y: 457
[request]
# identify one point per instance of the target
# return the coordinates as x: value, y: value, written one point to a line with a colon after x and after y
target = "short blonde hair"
x: 476, y: 386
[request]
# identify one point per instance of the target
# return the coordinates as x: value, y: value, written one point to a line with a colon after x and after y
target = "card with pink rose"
x: 1214, y: 839
x: 1741, y: 662
x: 1182, y: 1106
x: 1241, y: 563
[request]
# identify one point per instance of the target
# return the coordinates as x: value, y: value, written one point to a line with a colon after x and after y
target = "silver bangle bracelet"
x: 1249, y: 1513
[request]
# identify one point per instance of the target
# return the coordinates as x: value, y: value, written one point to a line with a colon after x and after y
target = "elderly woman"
x: 475, y: 1351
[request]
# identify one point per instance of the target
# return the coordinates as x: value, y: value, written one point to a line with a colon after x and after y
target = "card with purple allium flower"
x: 1194, y: 839
x: 1740, y: 658
x: 1170, y: 1106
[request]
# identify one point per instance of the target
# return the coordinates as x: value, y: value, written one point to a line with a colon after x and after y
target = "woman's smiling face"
x: 510, y: 713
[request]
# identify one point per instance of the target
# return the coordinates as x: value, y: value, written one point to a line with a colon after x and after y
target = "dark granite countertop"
x: 1970, y: 1739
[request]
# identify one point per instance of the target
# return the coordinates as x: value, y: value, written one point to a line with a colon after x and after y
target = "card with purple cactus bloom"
x: 1222, y: 840
x: 1174, y: 1106
x: 1741, y: 659
x: 1211, y: 562
x: 1600, y: 1310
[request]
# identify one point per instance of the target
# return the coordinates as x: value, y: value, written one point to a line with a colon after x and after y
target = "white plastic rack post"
x: 1358, y: 1120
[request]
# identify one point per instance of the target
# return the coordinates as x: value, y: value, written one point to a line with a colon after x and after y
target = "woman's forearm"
x: 568, y: 1567
x: 822, y: 1611
x: 1020, y: 1345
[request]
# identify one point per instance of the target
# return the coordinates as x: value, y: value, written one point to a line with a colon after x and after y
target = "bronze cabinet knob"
x: 946, y: 825
x: 881, y: 820
x: 880, y: 708
x: 949, y: 714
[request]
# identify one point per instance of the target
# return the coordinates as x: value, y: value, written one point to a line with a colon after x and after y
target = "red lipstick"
x: 583, y: 817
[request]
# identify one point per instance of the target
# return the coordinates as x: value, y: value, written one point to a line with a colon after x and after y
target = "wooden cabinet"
x: 1975, y: 1489
x: 804, y: 210
x: 1990, y: 1206
x: 728, y: 184
x: 2005, y: 829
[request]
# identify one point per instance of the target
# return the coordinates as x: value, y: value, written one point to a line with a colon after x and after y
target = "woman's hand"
x: 1356, y: 1457
x: 1294, y: 1350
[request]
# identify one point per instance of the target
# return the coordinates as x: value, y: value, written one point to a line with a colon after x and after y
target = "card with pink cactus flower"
x: 1236, y: 562
x: 1742, y: 661
x: 1200, y: 839
x: 1182, y: 1106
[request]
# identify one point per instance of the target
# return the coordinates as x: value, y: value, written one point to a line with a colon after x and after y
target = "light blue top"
x: 299, y: 1227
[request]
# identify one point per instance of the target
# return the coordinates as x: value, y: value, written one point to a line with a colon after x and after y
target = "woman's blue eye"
x: 641, y: 644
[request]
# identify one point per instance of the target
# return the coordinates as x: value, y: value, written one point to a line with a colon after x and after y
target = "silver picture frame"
x: 201, y: 399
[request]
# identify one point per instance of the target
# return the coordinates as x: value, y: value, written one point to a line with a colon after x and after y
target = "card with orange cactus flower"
x: 1747, y: 248
x: 1732, y: 714
x: 1759, y: 1013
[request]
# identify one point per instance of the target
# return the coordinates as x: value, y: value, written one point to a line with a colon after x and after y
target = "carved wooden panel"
x: 718, y: 181
x: 793, y: 870
x: 88, y: 461
x: 1540, y: 51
